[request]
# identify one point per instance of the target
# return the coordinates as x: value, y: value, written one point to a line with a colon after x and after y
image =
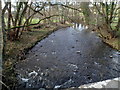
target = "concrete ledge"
x: 111, y: 83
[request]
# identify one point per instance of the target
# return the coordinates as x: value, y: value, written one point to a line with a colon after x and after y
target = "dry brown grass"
x: 107, y: 38
x: 28, y: 39
x: 114, y: 42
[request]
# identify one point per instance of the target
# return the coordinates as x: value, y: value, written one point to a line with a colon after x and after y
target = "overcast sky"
x: 13, y: 1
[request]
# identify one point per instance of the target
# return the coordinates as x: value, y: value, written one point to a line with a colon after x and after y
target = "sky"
x: 13, y: 1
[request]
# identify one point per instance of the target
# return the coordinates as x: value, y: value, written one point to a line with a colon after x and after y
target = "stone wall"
x: 111, y: 83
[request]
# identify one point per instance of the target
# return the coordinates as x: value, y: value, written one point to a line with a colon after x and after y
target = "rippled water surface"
x: 67, y: 58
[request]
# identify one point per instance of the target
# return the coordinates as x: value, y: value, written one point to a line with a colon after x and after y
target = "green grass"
x: 93, y: 23
x: 113, y: 25
x: 55, y: 20
x: 115, y: 19
x: 34, y: 20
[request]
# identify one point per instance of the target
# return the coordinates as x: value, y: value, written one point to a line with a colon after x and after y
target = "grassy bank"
x: 16, y: 50
x: 101, y: 29
x: 112, y: 42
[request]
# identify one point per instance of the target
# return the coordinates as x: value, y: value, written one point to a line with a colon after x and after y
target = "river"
x: 69, y: 57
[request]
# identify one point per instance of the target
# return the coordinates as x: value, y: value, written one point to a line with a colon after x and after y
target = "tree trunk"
x: 17, y: 14
x: 20, y: 20
x: 1, y: 44
x: 9, y: 21
x: 86, y: 12
x: 118, y: 24
x: 3, y: 28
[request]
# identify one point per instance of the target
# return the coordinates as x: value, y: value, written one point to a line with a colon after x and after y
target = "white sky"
x: 13, y: 1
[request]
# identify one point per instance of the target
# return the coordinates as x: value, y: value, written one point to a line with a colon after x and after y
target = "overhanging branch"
x: 65, y: 6
x: 34, y: 23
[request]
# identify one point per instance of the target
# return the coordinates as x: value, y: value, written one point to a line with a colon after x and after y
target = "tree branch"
x: 34, y: 23
x: 64, y: 6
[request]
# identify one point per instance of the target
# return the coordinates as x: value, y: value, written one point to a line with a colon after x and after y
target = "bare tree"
x: 3, y: 25
x: 9, y: 19
x: 118, y: 22
x: 108, y: 12
x: 86, y: 12
x: 1, y: 42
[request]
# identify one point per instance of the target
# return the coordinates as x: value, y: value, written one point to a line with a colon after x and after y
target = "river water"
x: 69, y: 57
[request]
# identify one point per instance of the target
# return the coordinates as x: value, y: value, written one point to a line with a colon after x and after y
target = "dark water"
x: 69, y: 57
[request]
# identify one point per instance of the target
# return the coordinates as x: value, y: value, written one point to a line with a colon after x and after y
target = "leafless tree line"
x: 17, y: 20
x: 18, y: 17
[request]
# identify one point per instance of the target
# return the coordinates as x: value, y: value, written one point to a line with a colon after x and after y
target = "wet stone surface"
x: 69, y: 57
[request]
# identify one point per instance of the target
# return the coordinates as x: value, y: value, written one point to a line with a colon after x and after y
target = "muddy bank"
x: 69, y: 57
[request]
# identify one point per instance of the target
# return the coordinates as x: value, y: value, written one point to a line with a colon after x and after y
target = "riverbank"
x: 15, y: 50
x: 112, y: 42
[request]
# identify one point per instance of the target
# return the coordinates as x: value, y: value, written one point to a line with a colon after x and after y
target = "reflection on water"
x: 79, y: 27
